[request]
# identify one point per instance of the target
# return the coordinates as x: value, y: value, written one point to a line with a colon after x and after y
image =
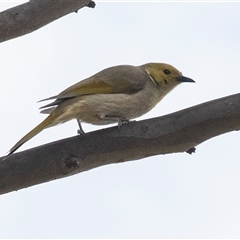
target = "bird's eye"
x: 166, y: 71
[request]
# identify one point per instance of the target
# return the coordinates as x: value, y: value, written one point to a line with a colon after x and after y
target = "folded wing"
x: 118, y: 79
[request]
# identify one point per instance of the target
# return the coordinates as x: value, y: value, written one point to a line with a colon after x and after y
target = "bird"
x: 116, y: 94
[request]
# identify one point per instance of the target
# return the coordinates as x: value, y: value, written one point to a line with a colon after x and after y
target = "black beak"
x: 185, y: 79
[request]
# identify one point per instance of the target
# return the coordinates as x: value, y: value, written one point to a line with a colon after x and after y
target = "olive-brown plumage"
x: 116, y: 94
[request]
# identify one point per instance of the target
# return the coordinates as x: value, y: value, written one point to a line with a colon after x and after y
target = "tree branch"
x: 176, y: 132
x: 30, y: 16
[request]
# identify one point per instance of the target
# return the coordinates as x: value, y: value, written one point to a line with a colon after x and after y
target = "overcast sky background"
x: 166, y: 196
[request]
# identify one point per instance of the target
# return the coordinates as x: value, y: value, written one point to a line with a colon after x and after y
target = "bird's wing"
x: 119, y: 79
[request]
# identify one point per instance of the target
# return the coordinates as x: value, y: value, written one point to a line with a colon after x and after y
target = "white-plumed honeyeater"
x: 113, y: 95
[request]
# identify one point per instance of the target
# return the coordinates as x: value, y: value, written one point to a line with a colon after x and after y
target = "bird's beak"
x: 185, y: 79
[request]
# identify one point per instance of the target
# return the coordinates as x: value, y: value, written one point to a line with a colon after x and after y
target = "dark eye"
x: 166, y: 71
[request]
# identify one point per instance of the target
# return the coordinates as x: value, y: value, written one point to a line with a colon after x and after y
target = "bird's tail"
x: 48, y: 122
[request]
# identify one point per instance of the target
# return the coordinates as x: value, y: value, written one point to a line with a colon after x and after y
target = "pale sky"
x: 166, y: 196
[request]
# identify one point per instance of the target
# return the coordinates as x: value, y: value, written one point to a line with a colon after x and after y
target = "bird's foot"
x: 122, y: 121
x: 80, y: 132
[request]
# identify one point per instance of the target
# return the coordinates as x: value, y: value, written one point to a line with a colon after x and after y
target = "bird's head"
x: 165, y: 76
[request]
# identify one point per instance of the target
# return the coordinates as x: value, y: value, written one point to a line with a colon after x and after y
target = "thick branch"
x: 176, y: 132
x: 30, y: 16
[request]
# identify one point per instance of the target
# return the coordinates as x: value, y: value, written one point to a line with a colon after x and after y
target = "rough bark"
x: 177, y: 132
x: 30, y: 16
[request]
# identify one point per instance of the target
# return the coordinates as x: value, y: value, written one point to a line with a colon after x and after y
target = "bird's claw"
x: 122, y: 121
x: 80, y: 132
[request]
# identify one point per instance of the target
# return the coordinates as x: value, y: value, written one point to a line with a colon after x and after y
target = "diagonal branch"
x: 30, y: 16
x: 176, y: 132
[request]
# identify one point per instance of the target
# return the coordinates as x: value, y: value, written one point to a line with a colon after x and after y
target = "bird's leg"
x: 80, y: 130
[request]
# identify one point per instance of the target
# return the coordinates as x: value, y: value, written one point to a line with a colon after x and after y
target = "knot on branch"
x: 91, y: 4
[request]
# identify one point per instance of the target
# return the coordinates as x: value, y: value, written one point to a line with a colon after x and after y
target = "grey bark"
x: 177, y: 132
x: 30, y: 16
